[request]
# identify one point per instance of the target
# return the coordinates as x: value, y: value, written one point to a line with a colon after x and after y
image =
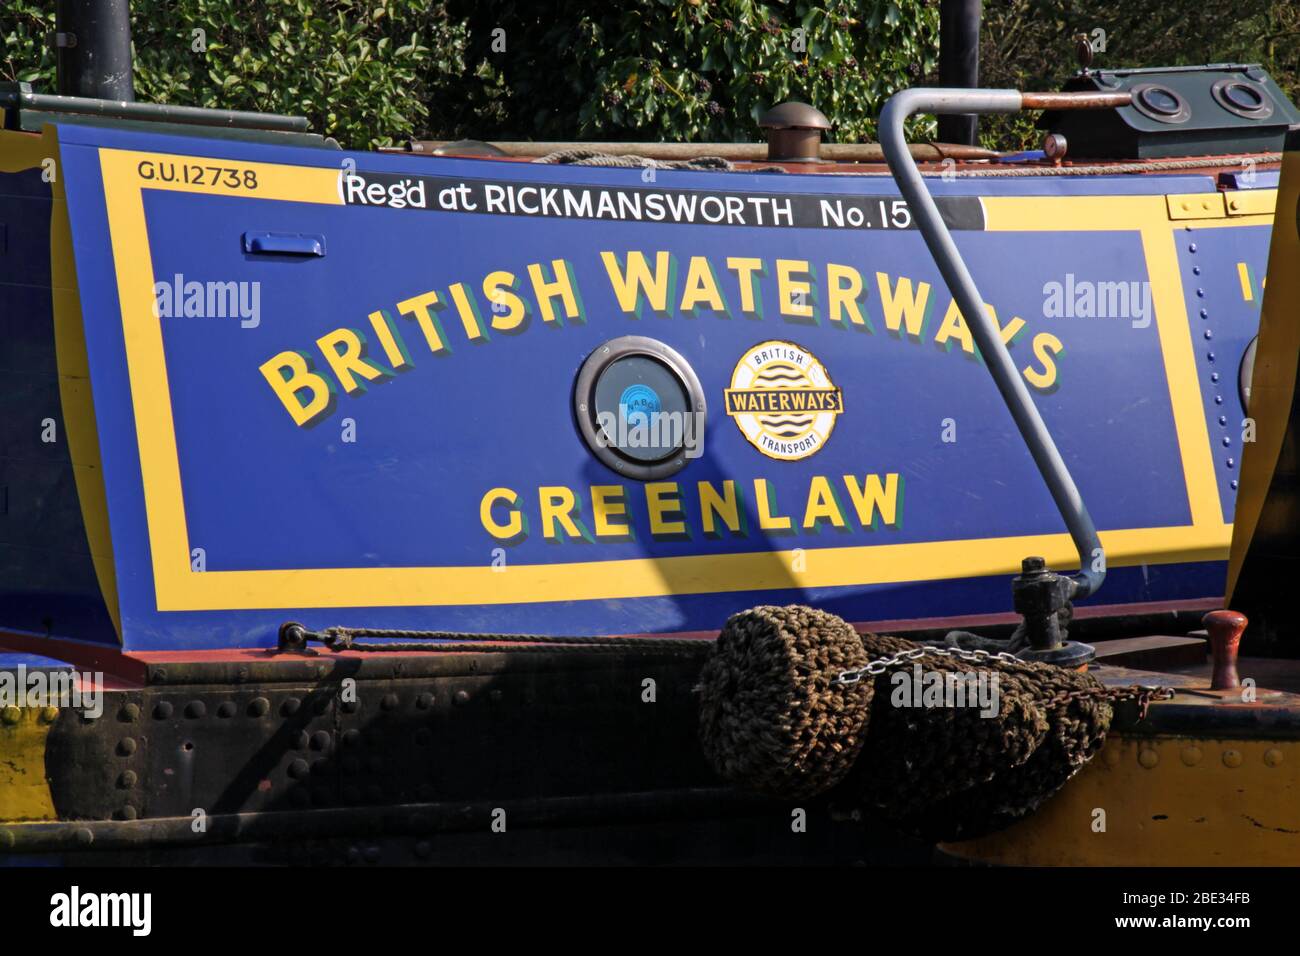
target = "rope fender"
x: 794, y: 703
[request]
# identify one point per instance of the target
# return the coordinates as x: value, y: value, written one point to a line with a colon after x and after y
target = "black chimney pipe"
x: 93, y: 46
x: 959, y: 63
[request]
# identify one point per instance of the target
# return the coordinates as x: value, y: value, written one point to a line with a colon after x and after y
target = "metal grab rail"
x: 1092, y: 564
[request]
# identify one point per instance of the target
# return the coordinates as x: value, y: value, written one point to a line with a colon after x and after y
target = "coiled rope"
x: 594, y: 157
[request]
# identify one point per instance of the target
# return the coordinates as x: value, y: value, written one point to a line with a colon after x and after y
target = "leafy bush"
x: 373, y: 72
x: 369, y: 72
x: 696, y: 70
x: 376, y: 72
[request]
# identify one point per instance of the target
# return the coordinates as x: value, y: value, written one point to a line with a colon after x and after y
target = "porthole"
x: 1160, y: 103
x: 640, y: 407
x: 1243, y: 99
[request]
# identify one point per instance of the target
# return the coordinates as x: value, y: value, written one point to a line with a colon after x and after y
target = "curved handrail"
x: 1092, y: 563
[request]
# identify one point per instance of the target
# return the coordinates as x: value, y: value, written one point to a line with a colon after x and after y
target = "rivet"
x: 1233, y: 204
x: 126, y: 746
x: 1209, y: 356
x: 320, y: 740
x: 1200, y: 293
x: 1148, y: 758
x: 127, y: 780
x: 301, y: 741
x: 1209, y: 334
x: 1204, y: 314
x: 129, y: 812
x: 372, y: 854
x: 49, y: 714
x: 1218, y: 399
x: 1272, y: 757
x: 1232, y: 758
x: 1214, y: 376
x: 162, y: 710
x: 1191, y: 756
x: 11, y: 715
x: 354, y: 854
x: 84, y: 837
x: 159, y: 675
x: 290, y: 706
x: 130, y: 713
x: 1191, y: 247
x: 423, y: 849
x: 299, y: 769
x: 351, y: 737
x: 1234, y: 484
x: 1223, y: 420
x: 424, y: 701
x: 1196, y: 270
x: 227, y: 709
x: 1229, y: 462
x: 461, y: 697
x: 259, y: 707
x: 241, y: 675
x: 196, y: 709
x: 389, y: 702
x: 1226, y: 441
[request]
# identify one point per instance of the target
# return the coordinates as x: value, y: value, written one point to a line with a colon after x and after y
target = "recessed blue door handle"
x: 284, y: 244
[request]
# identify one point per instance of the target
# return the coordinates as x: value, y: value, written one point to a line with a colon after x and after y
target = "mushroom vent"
x: 794, y: 132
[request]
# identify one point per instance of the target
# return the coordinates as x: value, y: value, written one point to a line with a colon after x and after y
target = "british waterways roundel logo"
x: 783, y: 400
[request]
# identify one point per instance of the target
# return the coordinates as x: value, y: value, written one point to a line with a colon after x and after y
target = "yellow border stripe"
x: 1180, y: 371
x: 178, y: 588
x: 663, y: 577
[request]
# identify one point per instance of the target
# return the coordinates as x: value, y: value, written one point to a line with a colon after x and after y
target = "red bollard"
x: 1225, y: 629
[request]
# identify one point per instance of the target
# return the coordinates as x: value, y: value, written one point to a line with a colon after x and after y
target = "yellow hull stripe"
x: 1163, y: 802
x: 24, y: 789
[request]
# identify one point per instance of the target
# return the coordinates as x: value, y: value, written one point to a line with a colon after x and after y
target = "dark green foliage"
x: 377, y: 72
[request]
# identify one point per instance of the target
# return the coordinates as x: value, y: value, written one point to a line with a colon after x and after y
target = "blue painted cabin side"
x: 339, y: 388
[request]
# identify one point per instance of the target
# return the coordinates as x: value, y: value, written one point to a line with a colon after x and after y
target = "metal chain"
x: 1143, y: 695
x: 882, y: 664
